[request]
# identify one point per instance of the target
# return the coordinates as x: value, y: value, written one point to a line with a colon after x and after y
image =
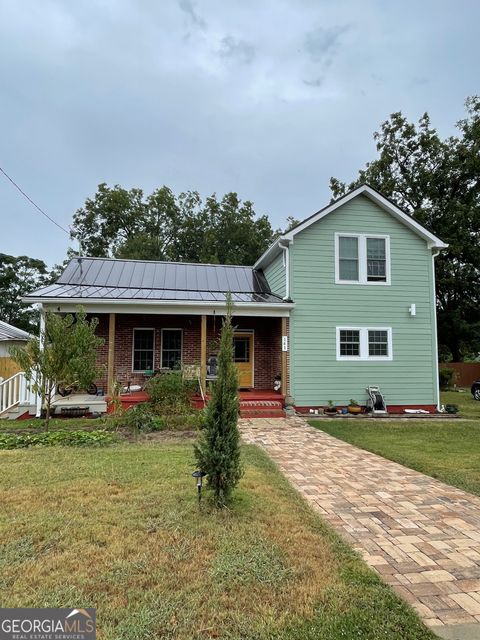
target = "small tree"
x: 65, y: 354
x: 218, y: 449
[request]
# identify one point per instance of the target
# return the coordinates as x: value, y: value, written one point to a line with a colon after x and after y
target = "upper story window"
x: 362, y: 259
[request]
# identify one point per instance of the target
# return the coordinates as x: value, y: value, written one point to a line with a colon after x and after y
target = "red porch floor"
x: 254, y: 403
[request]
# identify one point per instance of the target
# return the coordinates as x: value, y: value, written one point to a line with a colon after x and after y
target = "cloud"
x: 262, y: 97
x: 322, y: 43
x: 188, y: 8
x: 240, y: 50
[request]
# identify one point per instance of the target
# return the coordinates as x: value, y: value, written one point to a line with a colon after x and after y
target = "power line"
x: 34, y: 203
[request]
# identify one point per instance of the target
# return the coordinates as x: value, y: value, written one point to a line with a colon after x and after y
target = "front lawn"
x: 119, y: 529
x: 445, y: 449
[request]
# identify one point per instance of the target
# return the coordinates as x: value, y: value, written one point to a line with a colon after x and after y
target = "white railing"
x: 15, y: 390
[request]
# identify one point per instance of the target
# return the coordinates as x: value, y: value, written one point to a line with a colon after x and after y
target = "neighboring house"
x: 9, y: 337
x: 344, y: 300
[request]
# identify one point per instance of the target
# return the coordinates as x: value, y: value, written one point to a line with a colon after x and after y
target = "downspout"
x: 38, y: 411
x: 286, y: 254
x: 435, y: 253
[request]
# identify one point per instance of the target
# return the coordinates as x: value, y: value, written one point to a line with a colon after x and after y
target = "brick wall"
x: 267, y: 343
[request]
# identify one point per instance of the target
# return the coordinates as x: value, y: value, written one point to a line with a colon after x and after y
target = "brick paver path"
x: 421, y: 535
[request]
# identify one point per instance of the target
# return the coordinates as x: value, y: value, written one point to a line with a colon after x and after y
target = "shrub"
x: 446, y: 377
x: 139, y: 418
x: 57, y: 438
x: 218, y: 449
x: 171, y: 393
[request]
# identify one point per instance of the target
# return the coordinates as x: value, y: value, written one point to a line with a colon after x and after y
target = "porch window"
x: 143, y: 349
x: 171, y: 348
x: 241, y: 349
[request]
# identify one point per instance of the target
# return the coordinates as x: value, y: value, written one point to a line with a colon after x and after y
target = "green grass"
x: 119, y: 529
x: 445, y: 449
x: 56, y: 424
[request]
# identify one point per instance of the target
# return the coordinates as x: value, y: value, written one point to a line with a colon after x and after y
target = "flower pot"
x: 331, y: 410
x: 353, y: 409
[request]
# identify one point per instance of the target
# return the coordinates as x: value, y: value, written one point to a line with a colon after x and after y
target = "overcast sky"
x: 268, y: 98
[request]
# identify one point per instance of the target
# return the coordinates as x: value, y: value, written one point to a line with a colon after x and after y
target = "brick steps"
x: 280, y: 413
x: 261, y: 409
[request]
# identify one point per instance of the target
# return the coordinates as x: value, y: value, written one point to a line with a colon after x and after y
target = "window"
x: 364, y: 343
x: 241, y: 349
x: 362, y: 259
x: 171, y: 348
x: 378, y: 342
x: 143, y: 349
x: 348, y: 258
x: 376, y: 260
x: 349, y: 342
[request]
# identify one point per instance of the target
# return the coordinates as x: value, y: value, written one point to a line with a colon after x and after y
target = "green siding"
x: 321, y: 306
x: 275, y: 275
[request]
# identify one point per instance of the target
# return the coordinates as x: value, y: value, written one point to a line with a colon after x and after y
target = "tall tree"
x: 19, y: 276
x: 438, y: 182
x: 218, y: 449
x: 125, y: 224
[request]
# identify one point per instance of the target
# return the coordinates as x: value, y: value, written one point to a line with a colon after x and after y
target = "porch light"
x: 199, y: 475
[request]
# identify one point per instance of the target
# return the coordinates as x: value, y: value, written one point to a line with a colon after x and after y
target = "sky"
x: 268, y: 98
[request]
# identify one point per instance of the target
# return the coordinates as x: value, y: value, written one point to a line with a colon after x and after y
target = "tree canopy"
x: 437, y: 181
x: 123, y: 223
x: 18, y: 276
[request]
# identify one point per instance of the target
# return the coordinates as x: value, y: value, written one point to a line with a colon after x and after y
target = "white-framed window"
x: 362, y: 258
x: 172, y: 347
x: 364, y: 343
x: 143, y: 349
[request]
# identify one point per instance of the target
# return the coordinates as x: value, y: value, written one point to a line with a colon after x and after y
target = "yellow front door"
x: 243, y: 358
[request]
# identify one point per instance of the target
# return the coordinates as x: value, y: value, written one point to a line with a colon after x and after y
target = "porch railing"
x: 14, y: 391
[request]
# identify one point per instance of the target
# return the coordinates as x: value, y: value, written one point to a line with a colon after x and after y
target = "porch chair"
x: 192, y: 372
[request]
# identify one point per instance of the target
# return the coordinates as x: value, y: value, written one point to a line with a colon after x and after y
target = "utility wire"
x: 34, y: 203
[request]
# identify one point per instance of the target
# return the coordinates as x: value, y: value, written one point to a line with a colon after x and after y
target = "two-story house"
x: 344, y: 300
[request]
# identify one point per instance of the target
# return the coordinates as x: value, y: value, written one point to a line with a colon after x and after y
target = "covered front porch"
x: 139, y: 344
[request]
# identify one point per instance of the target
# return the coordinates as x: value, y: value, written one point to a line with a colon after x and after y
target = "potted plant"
x: 330, y: 408
x: 354, y: 407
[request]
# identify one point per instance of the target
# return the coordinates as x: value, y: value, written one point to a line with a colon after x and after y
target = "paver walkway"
x: 421, y: 535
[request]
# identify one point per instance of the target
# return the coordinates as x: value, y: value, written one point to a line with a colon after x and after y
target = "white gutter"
x: 435, y: 341
x: 285, y: 248
x: 160, y: 303
x: 95, y: 305
x: 269, y: 254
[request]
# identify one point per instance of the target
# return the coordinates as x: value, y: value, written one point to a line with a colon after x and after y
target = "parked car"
x: 476, y: 389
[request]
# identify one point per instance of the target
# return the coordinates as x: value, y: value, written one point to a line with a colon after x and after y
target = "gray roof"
x: 111, y: 279
x: 7, y: 332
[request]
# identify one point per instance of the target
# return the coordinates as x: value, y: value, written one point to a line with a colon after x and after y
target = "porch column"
x: 111, y: 352
x: 38, y: 399
x: 203, y: 353
x: 284, y: 372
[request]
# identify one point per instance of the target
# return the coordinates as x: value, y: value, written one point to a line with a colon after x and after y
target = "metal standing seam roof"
x: 8, y: 332
x: 113, y: 279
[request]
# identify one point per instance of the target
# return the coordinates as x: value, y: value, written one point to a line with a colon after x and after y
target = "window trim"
x: 181, y: 343
x: 133, y: 348
x: 364, y: 355
x: 362, y: 258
